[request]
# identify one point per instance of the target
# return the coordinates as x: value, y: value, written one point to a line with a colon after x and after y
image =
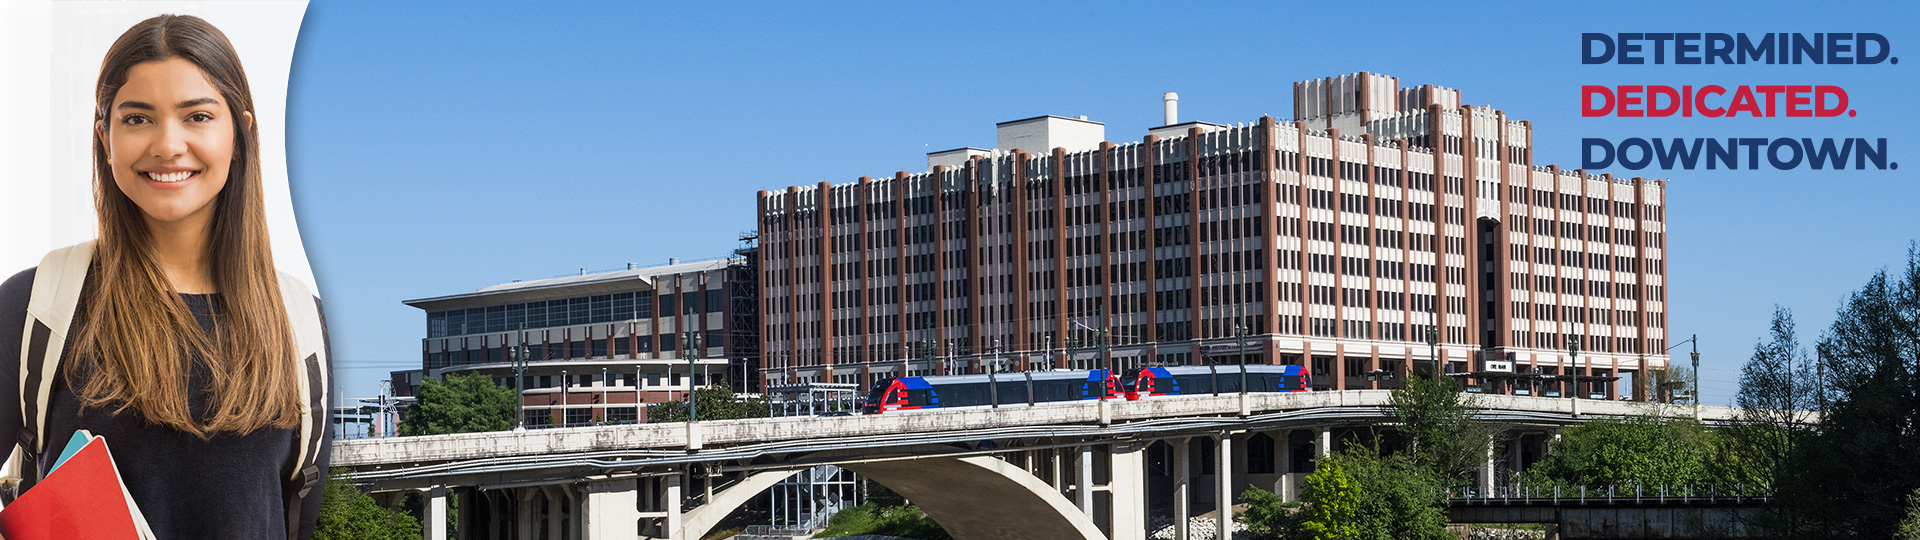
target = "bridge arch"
x: 977, y: 497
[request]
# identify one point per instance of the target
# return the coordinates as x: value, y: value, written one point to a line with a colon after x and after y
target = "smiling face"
x: 170, y: 140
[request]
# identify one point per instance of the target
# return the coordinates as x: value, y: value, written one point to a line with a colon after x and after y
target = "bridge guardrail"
x: 1612, y: 494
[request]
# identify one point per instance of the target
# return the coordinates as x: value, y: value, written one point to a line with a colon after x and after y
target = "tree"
x: 717, y: 402
x: 1269, y: 517
x: 1909, y: 528
x: 1335, y: 504
x: 1865, y: 458
x: 1849, y: 475
x: 1386, y: 497
x: 1775, y: 386
x: 1639, y: 449
x: 1438, y: 418
x: 346, y: 513
x: 463, y: 404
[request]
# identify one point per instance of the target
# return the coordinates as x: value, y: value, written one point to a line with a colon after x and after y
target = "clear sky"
x: 440, y: 148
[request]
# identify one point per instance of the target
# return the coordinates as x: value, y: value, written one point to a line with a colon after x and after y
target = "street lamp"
x: 1573, y: 354
x: 692, y: 343
x: 518, y: 356
x: 563, y: 398
x: 1433, y: 350
x: 1240, y: 331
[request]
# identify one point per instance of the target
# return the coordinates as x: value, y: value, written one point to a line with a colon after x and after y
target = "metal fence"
x: 1613, y: 494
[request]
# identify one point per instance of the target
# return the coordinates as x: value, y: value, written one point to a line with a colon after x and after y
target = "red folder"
x: 82, y: 499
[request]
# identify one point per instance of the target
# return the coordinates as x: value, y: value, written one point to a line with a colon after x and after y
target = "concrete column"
x: 1182, y: 485
x: 1223, y: 480
x: 1513, y: 461
x: 1059, y: 464
x: 611, y: 509
x: 433, y: 524
x: 672, y: 505
x: 1083, y: 480
x: 1326, y: 444
x: 1127, y: 491
x: 523, y: 516
x: 1285, y: 487
x: 556, y: 514
x: 1486, y: 471
x: 466, y: 501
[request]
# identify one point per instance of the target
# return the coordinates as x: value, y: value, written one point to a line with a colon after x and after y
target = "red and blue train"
x: 1036, y: 387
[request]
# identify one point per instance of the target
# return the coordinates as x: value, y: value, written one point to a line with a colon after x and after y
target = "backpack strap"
x: 310, y: 340
x: 56, y: 293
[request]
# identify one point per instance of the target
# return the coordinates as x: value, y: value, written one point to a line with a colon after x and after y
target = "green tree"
x: 1335, y: 504
x: 1391, y: 497
x: 1399, y: 499
x: 346, y: 513
x: 1438, y: 419
x: 717, y: 402
x: 1852, y: 477
x: 463, y: 404
x: 1269, y: 517
x: 1637, y: 449
x: 1909, y: 528
x: 1776, y: 385
x: 1850, y: 474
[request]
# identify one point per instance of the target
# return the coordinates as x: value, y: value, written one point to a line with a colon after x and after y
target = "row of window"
x: 567, y: 312
x: 574, y: 350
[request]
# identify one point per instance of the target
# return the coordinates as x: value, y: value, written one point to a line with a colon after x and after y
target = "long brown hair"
x: 138, y: 340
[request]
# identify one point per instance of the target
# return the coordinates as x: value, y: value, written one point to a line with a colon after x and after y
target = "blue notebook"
x: 79, y: 440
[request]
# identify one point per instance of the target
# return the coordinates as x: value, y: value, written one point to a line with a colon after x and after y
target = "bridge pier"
x: 611, y: 508
x: 435, y: 516
x: 1223, y: 481
x: 1083, y: 480
x: 1127, y: 492
x: 524, y: 522
x: 1182, y: 483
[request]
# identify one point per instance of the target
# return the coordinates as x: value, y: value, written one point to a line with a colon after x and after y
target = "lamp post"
x: 1433, y: 350
x: 1240, y: 331
x: 1696, y: 376
x: 692, y: 344
x: 1573, y: 354
x: 563, y: 398
x: 604, y: 383
x: 518, y: 356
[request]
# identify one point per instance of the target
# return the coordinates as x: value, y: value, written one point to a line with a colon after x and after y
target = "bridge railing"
x: 1634, y: 493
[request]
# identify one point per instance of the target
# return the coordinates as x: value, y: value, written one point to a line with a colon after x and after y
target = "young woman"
x: 180, y: 352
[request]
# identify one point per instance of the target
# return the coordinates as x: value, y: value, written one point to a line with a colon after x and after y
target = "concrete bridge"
x: 1086, y: 470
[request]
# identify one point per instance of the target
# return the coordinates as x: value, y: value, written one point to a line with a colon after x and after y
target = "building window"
x: 538, y: 418
x: 623, y: 415
x: 579, y: 417
x: 653, y: 379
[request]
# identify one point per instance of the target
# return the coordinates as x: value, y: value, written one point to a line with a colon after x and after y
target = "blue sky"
x: 440, y: 148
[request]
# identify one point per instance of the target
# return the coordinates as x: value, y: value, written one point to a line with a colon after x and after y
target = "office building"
x: 599, y: 346
x: 1337, y: 240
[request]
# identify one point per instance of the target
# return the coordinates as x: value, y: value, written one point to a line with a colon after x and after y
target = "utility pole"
x: 1696, y: 377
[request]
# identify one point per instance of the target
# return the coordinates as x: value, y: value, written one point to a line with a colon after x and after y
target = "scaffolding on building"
x: 743, y: 340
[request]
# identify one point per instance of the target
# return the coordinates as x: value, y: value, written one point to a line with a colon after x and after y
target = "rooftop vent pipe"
x: 1172, y: 101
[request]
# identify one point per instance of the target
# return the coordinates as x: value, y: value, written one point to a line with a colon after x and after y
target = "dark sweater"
x: 225, y: 487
